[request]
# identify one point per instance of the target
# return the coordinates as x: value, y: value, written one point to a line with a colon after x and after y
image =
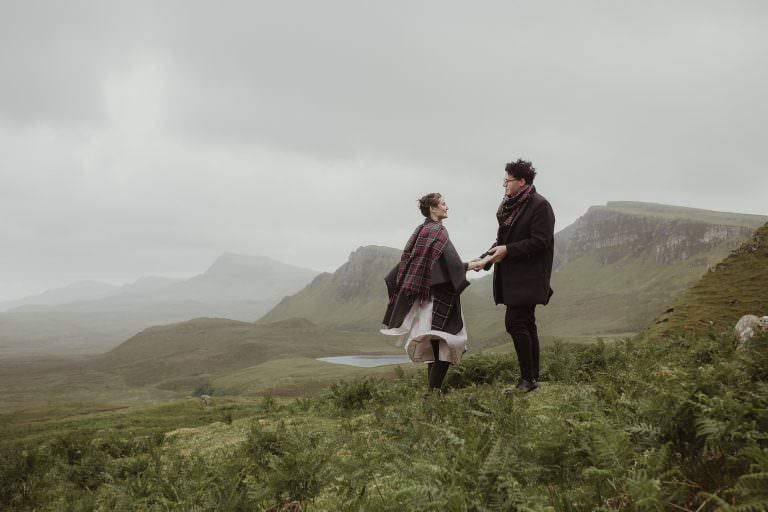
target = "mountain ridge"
x: 615, y: 270
x: 236, y: 286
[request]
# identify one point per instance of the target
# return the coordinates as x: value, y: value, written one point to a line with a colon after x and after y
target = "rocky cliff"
x: 621, y: 263
x: 656, y: 235
x: 352, y: 279
x: 352, y: 297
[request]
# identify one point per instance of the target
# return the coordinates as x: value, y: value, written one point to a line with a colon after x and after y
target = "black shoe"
x: 526, y: 386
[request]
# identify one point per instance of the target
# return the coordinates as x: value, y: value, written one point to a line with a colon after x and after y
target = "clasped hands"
x: 494, y: 255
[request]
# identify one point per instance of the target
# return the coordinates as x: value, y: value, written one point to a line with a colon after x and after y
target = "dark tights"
x: 436, y: 371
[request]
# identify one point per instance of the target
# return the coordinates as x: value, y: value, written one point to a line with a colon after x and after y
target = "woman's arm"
x: 476, y: 264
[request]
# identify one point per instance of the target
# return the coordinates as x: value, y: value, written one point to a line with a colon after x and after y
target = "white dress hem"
x: 416, y: 334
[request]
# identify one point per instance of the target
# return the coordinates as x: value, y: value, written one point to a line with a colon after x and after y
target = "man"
x: 522, y: 259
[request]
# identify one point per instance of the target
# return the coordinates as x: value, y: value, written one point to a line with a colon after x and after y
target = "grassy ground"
x: 40, y: 382
x: 296, y: 376
x: 669, y: 424
x: 34, y: 382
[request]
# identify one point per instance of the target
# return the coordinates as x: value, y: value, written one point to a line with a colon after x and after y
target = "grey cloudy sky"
x: 145, y: 138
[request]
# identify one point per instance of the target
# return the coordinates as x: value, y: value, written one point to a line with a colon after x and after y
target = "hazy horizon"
x: 146, y: 139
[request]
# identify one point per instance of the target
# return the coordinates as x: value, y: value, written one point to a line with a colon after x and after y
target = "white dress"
x: 416, y: 333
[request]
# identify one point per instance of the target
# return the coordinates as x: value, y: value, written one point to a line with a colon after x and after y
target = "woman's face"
x: 440, y: 211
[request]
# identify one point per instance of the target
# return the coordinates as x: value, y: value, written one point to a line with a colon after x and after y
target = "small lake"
x: 367, y: 361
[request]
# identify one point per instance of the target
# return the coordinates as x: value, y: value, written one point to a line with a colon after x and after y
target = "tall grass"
x: 676, y: 423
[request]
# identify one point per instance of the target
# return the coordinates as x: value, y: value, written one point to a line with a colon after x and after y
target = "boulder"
x: 748, y: 326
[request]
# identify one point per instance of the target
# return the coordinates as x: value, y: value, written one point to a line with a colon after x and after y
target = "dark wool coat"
x: 449, y: 279
x: 522, y: 278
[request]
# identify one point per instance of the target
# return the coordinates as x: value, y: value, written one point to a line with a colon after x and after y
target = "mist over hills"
x: 80, y: 290
x: 238, y: 277
x: 238, y: 287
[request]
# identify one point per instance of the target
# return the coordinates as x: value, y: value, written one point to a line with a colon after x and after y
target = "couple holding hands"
x: 424, y: 309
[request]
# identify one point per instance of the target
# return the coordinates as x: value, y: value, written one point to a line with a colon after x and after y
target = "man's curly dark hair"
x: 521, y: 169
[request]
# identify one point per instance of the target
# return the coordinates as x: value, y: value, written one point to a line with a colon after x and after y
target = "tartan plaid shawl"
x: 511, y: 206
x: 414, y: 275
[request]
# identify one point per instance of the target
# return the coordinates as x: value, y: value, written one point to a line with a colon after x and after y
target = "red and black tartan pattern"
x: 511, y: 206
x: 414, y: 275
x: 443, y: 303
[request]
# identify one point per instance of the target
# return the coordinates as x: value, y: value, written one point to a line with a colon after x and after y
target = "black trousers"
x: 436, y: 371
x: 520, y: 322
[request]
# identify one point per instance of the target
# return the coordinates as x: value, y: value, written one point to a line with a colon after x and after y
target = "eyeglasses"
x: 507, y: 180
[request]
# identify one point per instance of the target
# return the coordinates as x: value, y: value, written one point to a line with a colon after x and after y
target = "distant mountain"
x: 235, y: 286
x: 84, y: 303
x: 353, y: 297
x: 148, y: 284
x: 235, y: 277
x: 80, y: 290
x: 736, y: 286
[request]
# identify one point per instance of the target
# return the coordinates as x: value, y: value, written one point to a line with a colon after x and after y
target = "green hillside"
x: 189, y: 354
x: 353, y: 297
x: 597, y: 298
x: 734, y: 287
x: 619, y: 266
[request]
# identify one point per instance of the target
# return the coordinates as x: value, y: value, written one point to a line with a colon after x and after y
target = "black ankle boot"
x: 526, y: 386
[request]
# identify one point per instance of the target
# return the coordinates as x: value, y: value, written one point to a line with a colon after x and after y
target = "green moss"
x: 732, y: 288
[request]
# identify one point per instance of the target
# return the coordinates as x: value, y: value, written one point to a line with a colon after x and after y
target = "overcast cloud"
x: 145, y: 138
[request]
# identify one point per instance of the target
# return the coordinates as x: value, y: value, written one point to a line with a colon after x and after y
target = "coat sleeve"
x: 542, y: 229
x: 456, y: 269
x: 391, y: 281
x: 489, y: 265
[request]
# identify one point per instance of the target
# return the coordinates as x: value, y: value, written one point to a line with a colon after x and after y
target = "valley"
x: 617, y: 268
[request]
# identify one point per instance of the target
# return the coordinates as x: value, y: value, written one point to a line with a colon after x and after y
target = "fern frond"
x: 759, y: 506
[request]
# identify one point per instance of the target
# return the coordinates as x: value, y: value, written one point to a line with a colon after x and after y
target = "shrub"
x: 352, y: 394
x: 17, y: 473
x: 483, y: 369
x: 290, y: 464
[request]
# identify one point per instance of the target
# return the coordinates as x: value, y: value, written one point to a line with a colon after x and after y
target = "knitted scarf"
x: 414, y: 276
x: 511, y: 206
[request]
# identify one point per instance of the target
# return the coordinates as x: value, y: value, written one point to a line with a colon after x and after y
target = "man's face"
x: 512, y: 184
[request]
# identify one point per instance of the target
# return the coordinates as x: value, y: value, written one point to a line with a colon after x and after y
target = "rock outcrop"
x: 748, y: 326
x: 352, y: 297
x: 618, y: 232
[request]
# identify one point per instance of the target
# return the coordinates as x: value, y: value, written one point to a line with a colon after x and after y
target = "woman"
x: 424, y: 308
